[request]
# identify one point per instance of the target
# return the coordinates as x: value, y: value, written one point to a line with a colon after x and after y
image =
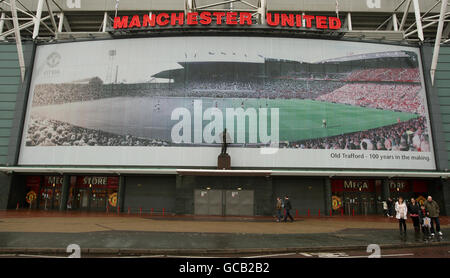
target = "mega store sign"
x: 225, y: 18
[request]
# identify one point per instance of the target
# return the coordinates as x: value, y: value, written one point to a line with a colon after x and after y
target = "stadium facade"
x: 132, y: 118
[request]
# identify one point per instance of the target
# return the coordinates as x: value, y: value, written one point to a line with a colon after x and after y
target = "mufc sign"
x: 225, y: 18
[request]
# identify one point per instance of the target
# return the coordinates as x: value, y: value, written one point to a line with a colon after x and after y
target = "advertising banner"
x: 284, y: 102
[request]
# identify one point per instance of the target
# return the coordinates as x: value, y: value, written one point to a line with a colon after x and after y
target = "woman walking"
x: 402, y: 210
x: 414, y: 209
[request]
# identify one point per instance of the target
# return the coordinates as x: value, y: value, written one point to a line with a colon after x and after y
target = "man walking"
x: 287, y: 207
x: 433, y: 212
x: 279, y: 207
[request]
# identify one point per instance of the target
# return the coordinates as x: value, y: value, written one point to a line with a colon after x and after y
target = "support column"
x: 121, y: 193
x: 64, y: 193
x: 327, y: 195
x: 179, y: 200
x: 5, y: 189
x: 446, y: 196
x: 385, y: 193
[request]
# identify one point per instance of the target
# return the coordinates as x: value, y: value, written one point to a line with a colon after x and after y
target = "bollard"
x: 319, y: 212
x: 17, y: 206
x: 163, y: 211
x: 331, y: 212
x: 309, y: 214
x: 296, y: 213
x: 151, y: 213
x: 342, y: 212
x: 140, y: 211
x: 353, y: 212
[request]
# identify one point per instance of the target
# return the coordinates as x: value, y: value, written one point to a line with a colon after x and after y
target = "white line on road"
x: 389, y: 255
x: 272, y: 255
x: 192, y: 257
x: 40, y: 256
x: 136, y: 257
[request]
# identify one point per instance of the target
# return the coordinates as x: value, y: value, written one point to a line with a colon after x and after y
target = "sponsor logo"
x: 31, y: 196
x: 112, y: 199
x: 336, y: 202
x: 73, y: 4
x: 53, y: 60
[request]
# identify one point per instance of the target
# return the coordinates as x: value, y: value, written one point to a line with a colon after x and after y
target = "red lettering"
x: 219, y: 16
x: 232, y: 18
x: 148, y: 20
x: 121, y: 23
x: 321, y: 22
x: 275, y: 21
x: 205, y: 18
x: 245, y: 19
x: 177, y: 19
x: 162, y: 19
x: 135, y: 22
x: 308, y: 19
x: 287, y: 19
x: 192, y: 19
x: 298, y: 18
x: 335, y: 23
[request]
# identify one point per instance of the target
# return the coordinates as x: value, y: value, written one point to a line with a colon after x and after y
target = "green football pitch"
x: 302, y: 119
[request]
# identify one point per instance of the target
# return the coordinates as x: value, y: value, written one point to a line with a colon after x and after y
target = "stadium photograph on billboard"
x: 284, y: 102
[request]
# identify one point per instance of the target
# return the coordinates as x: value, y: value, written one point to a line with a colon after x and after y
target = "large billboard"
x: 284, y: 102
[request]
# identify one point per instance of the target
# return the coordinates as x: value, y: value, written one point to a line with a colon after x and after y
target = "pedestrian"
x: 279, y: 207
x: 287, y: 207
x: 413, y: 209
x: 426, y: 223
x: 432, y: 208
x: 385, y: 208
x: 390, y: 204
x: 402, y: 210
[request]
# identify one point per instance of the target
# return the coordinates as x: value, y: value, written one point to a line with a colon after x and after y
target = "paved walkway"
x: 32, y: 229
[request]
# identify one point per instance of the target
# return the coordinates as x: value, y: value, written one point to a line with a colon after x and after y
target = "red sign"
x: 230, y: 19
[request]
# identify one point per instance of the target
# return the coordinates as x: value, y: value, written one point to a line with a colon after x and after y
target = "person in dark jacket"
x: 390, y: 204
x: 433, y: 212
x: 423, y: 214
x: 413, y: 209
x: 287, y: 207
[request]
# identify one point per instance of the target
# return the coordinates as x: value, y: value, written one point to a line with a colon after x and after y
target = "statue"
x: 224, y: 142
x: 224, y: 159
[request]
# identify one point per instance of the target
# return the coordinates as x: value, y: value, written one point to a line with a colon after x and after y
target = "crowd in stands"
x: 396, y: 97
x: 385, y: 75
x: 46, y: 132
x: 411, y: 135
x: 49, y: 94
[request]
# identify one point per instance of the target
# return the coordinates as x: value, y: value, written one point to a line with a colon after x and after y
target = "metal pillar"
x: 2, y: 24
x: 37, y: 19
x: 437, y: 43
x: 18, y: 39
x: 418, y: 19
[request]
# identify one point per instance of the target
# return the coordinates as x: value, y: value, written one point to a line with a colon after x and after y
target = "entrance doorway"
x: 224, y: 202
x: 208, y: 202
